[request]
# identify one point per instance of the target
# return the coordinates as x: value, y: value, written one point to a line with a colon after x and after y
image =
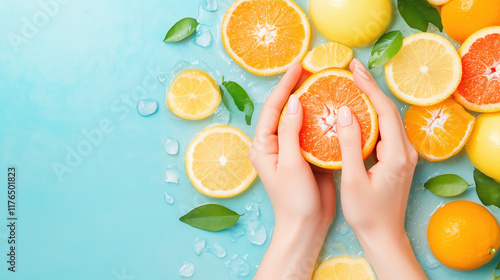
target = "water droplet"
x: 430, y: 261
x: 186, y: 270
x: 238, y: 266
x: 257, y: 233
x: 146, y: 107
x: 170, y: 145
x: 169, y: 198
x: 219, y: 251
x: 203, y: 37
x: 343, y: 228
x: 252, y: 211
x: 162, y: 78
x: 172, y: 174
x: 198, y: 245
x: 209, y: 5
x: 205, y: 17
x: 221, y: 116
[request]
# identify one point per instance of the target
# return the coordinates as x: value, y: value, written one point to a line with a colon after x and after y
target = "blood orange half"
x: 321, y: 95
x: 480, y: 87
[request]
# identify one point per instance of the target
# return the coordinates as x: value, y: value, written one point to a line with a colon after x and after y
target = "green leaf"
x: 386, y: 48
x: 225, y: 99
x: 448, y: 185
x: 181, y: 30
x: 211, y: 217
x: 241, y: 99
x: 418, y: 14
x: 498, y: 266
x: 488, y: 190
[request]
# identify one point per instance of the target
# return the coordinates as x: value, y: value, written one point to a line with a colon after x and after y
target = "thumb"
x: 349, y: 134
x: 288, y: 131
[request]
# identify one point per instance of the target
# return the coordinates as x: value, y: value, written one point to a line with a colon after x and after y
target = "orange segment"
x: 440, y: 131
x: 480, y: 87
x: 322, y: 95
x: 265, y: 36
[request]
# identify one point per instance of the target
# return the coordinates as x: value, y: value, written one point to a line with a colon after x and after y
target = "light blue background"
x: 87, y: 62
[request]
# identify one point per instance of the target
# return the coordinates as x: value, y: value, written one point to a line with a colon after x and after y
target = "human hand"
x: 303, y: 200
x: 374, y: 201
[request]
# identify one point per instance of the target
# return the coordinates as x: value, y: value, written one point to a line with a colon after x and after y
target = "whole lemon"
x: 462, y: 18
x: 463, y: 235
x: 483, y: 146
x: 355, y: 23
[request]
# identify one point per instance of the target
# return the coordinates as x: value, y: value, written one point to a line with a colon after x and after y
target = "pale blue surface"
x: 107, y: 218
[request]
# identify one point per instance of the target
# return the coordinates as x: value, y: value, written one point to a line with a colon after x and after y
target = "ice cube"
x: 430, y: 261
x: 209, y: 5
x: 238, y: 266
x: 252, y: 211
x: 146, y: 107
x: 221, y: 116
x: 237, y: 232
x: 162, y: 78
x: 257, y: 233
x: 186, y: 270
x: 203, y: 37
x: 198, y: 245
x: 205, y: 17
x: 343, y: 228
x: 170, y: 145
x: 219, y: 251
x: 169, y: 198
x: 172, y: 174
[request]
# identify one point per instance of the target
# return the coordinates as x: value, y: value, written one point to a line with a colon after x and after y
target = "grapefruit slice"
x: 322, y: 95
x: 426, y: 71
x: 440, y: 131
x: 479, y: 90
x: 265, y: 37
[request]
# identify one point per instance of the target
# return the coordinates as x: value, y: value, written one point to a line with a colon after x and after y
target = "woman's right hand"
x: 374, y: 201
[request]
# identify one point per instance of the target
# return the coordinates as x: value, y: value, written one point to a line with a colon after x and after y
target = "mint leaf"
x: 241, y: 99
x: 418, y: 14
x: 448, y: 185
x: 181, y: 30
x: 211, y: 217
x: 488, y: 190
x: 386, y: 48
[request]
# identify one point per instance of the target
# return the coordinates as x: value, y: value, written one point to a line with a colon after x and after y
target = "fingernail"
x: 293, y: 104
x: 345, y: 116
x: 361, y: 69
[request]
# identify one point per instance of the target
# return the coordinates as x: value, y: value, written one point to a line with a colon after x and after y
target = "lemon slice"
x: 426, y: 71
x: 217, y: 162
x: 193, y: 95
x: 344, y: 268
x: 328, y: 55
x: 438, y: 2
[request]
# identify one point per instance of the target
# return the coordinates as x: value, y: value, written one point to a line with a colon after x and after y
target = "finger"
x: 302, y: 79
x: 326, y: 186
x: 269, y: 118
x: 391, y: 127
x: 288, y: 132
x: 349, y: 134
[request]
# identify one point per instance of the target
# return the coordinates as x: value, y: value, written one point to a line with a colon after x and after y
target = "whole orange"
x: 463, y: 235
x: 461, y: 18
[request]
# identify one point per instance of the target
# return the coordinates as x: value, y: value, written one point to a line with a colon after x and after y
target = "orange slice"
x: 440, y: 131
x: 327, y: 55
x: 480, y: 87
x: 322, y: 95
x: 265, y: 36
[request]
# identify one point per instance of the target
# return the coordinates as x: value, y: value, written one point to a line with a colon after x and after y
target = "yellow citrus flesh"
x: 328, y: 55
x: 438, y: 2
x: 463, y: 235
x: 217, y: 162
x: 483, y: 146
x: 193, y: 95
x: 354, y: 23
x: 340, y: 268
x: 265, y: 36
x: 440, y: 131
x: 426, y: 71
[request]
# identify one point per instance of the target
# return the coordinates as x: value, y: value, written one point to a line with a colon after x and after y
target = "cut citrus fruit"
x: 265, y: 37
x: 322, y: 95
x: 328, y: 55
x: 440, y: 131
x: 463, y: 235
x: 217, y: 161
x: 344, y: 268
x: 193, y: 95
x: 438, y: 2
x: 480, y: 87
x: 426, y: 71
